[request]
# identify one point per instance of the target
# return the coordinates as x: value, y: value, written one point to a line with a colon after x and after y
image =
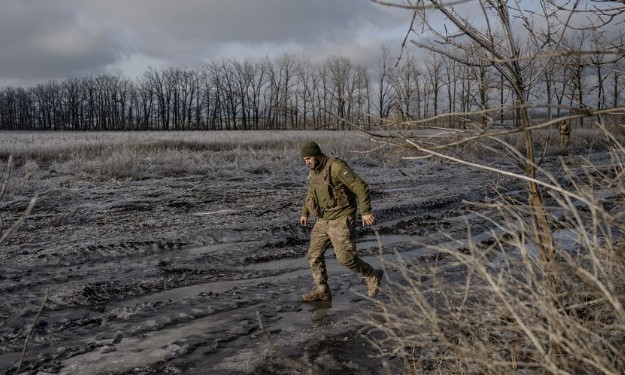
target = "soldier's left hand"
x: 368, y: 219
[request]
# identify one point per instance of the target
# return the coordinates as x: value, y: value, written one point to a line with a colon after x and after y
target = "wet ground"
x: 201, y: 274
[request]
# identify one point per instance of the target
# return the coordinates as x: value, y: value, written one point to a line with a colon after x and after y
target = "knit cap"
x: 311, y: 149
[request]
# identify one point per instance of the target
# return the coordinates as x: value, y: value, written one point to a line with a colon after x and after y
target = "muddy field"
x: 176, y: 274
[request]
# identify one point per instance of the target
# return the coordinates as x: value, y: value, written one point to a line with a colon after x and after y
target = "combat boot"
x: 319, y: 293
x: 373, y: 283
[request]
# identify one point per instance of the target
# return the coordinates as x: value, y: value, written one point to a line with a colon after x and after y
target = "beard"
x: 314, y: 164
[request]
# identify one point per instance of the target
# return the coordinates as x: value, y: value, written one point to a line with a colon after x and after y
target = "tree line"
x: 291, y: 92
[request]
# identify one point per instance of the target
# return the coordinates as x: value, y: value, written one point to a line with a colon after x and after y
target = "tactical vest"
x: 323, y: 196
x: 565, y: 129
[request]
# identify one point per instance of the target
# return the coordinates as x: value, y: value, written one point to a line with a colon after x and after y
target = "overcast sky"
x: 42, y: 40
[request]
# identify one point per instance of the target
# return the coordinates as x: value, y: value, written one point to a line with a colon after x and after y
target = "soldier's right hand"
x: 368, y: 219
x: 303, y: 221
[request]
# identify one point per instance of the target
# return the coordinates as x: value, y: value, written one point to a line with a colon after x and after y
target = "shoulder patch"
x: 347, y: 175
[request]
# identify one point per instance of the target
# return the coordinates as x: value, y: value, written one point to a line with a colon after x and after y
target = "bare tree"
x: 517, y: 42
x: 384, y: 78
x: 495, y: 44
x: 433, y: 68
x: 407, y: 89
x: 305, y: 83
x: 618, y: 77
x: 512, y: 54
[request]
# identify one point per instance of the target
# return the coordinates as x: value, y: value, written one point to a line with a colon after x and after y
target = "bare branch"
x: 30, y: 332
x: 11, y: 231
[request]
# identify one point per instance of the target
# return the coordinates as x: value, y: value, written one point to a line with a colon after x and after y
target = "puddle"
x: 216, y: 287
x: 384, y: 240
x: 141, y: 351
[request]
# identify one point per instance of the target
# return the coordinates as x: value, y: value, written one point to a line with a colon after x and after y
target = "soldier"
x: 334, y: 193
x: 565, y: 133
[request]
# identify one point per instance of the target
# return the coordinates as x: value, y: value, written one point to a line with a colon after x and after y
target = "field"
x: 169, y: 253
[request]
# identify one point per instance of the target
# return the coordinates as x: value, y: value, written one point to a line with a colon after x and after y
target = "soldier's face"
x: 311, y: 161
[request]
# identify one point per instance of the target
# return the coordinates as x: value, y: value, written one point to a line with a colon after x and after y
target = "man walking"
x: 334, y: 194
x: 565, y: 133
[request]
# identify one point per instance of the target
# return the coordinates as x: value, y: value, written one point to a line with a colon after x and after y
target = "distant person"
x: 334, y: 194
x: 565, y: 133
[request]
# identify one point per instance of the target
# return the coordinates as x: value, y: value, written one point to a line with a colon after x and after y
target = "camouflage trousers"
x: 339, y: 233
x: 565, y: 139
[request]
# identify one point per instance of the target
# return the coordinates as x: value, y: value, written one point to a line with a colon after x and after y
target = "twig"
x: 5, y: 183
x: 6, y: 177
x: 19, y: 222
x: 30, y: 332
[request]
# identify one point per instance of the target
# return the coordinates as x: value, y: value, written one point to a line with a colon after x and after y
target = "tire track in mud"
x: 311, y: 351
x: 189, y: 306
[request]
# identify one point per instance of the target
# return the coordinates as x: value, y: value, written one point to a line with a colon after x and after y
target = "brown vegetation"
x: 490, y: 307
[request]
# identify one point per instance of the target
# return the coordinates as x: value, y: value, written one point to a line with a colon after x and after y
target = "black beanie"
x: 311, y: 149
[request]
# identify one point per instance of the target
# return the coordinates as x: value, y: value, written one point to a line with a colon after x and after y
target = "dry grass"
x: 547, y: 141
x: 48, y: 146
x: 9, y: 230
x: 488, y: 309
x: 95, y: 156
x: 72, y: 158
x: 491, y: 308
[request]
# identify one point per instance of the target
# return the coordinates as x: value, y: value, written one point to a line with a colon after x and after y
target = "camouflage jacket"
x: 565, y: 128
x: 334, y: 191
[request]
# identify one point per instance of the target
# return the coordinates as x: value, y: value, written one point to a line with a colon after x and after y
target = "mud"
x: 200, y: 274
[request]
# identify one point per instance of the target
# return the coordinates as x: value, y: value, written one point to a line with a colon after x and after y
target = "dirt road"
x: 175, y: 275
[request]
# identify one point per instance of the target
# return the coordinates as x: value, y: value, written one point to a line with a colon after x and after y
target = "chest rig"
x: 323, y: 196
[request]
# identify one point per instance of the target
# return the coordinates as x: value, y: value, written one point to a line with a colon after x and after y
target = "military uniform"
x: 565, y: 133
x: 334, y: 194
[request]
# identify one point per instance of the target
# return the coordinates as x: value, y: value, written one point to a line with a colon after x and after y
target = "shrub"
x: 497, y: 308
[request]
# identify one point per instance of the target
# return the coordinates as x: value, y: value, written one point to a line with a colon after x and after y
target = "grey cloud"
x: 253, y: 21
x: 40, y: 40
x: 54, y: 39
